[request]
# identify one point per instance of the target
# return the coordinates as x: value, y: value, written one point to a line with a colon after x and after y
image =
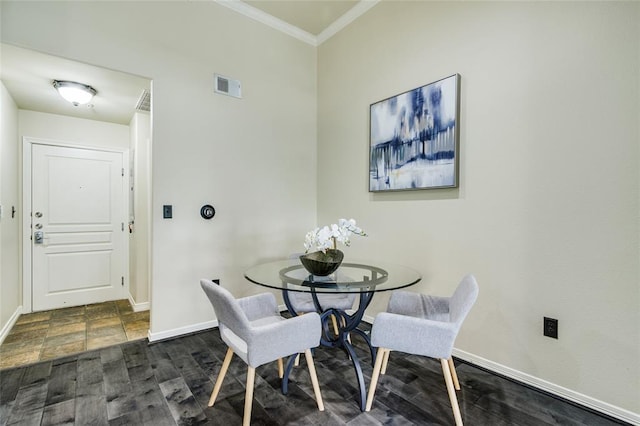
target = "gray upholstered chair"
x: 254, y: 330
x: 302, y: 303
x: 423, y: 325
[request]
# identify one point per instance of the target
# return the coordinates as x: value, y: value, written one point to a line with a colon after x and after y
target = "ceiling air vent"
x: 144, y: 103
x: 227, y: 86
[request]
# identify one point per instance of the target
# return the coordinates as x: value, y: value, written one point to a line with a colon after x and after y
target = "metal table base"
x: 347, y: 324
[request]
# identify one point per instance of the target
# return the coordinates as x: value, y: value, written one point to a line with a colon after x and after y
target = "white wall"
x: 10, y: 294
x: 140, y: 156
x: 254, y: 158
x: 73, y: 130
x: 546, y: 214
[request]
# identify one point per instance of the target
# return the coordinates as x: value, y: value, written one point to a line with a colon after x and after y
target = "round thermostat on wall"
x: 207, y: 211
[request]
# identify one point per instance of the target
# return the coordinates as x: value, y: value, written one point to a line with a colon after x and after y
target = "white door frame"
x: 27, y: 278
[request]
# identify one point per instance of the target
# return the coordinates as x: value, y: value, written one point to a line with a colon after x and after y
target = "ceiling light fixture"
x: 76, y: 93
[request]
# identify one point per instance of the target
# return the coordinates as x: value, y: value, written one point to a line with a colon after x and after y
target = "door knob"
x: 38, y: 226
x: 38, y: 214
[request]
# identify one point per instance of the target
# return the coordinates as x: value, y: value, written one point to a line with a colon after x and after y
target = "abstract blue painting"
x: 414, y: 138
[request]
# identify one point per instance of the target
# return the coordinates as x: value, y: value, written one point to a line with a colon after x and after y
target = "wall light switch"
x: 167, y: 211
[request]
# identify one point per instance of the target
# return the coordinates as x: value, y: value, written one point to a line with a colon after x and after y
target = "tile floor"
x: 51, y: 334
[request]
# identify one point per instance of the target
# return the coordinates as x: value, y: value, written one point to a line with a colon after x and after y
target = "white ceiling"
x: 312, y: 16
x: 28, y: 75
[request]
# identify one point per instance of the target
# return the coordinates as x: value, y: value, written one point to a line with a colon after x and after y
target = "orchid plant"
x: 328, y: 236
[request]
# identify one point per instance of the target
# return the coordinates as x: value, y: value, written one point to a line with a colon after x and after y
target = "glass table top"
x: 351, y: 277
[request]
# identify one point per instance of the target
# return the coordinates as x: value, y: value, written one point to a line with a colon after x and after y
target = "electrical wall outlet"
x: 550, y: 327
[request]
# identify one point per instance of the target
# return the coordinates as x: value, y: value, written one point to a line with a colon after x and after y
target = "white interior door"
x: 78, y: 239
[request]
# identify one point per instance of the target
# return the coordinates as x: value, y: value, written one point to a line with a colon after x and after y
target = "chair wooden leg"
x: 385, y: 362
x: 452, y: 392
x: 454, y: 375
x: 374, y: 377
x: 223, y: 372
x: 335, y: 325
x: 280, y: 368
x: 314, y: 379
x: 248, y: 396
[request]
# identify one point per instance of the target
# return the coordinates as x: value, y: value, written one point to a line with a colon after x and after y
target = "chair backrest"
x: 463, y: 299
x: 227, y: 308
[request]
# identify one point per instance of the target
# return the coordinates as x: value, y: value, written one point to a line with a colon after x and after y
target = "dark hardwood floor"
x: 169, y: 383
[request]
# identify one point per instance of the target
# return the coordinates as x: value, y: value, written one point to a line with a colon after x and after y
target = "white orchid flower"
x: 326, y: 237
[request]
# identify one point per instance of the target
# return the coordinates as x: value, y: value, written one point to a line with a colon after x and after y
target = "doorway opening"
x: 118, y: 122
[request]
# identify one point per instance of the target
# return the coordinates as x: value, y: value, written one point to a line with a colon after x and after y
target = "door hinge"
x: 123, y: 172
x: 122, y: 281
x: 122, y: 226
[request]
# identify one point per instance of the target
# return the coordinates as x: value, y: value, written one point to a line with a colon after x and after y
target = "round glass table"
x: 363, y: 278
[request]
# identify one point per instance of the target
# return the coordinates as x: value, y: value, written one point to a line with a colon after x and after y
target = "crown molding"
x: 258, y: 15
x: 352, y: 14
x: 269, y: 20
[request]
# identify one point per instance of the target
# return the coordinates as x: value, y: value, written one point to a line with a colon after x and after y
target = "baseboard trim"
x: 9, y: 325
x: 181, y: 331
x: 562, y: 392
x: 139, y: 307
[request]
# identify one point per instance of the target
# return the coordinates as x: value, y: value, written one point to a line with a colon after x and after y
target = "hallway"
x: 51, y: 334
